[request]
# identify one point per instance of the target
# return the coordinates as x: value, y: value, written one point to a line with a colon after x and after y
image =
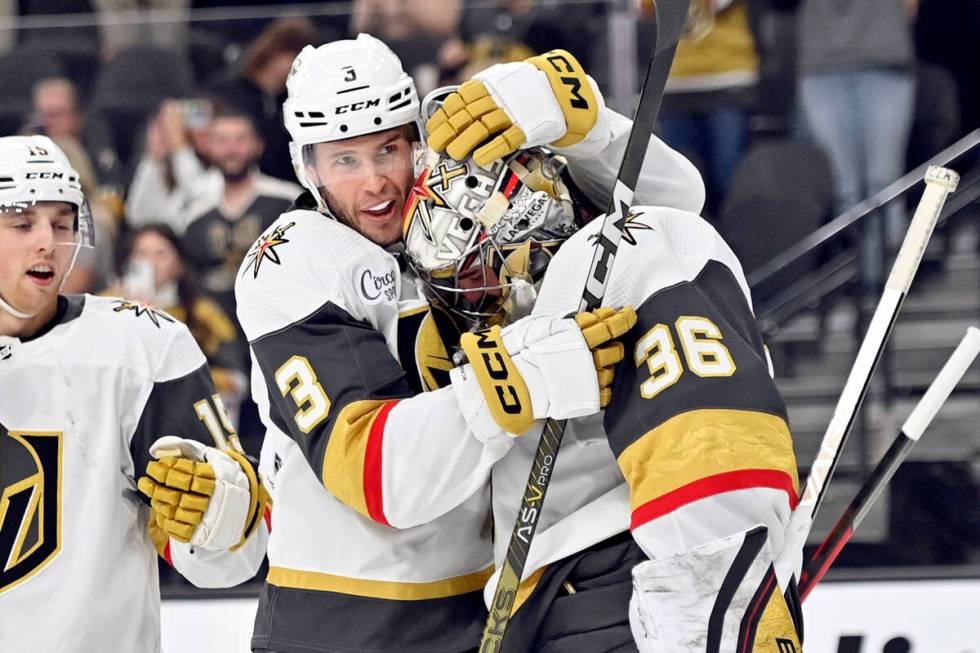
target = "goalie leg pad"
x: 720, y: 597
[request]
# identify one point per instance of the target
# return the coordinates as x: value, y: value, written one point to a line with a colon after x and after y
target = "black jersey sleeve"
x: 695, y: 411
x: 331, y: 381
x: 182, y: 401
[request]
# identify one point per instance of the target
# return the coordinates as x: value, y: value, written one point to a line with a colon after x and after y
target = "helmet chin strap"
x: 13, y: 311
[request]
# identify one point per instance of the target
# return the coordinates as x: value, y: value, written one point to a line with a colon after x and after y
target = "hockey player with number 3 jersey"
x: 377, y: 460
x: 692, y: 456
x: 89, y: 387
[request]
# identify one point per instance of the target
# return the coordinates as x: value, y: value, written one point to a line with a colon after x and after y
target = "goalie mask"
x: 33, y: 170
x: 481, y: 239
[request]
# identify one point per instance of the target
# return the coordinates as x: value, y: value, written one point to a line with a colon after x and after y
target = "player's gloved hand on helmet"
x: 547, y: 99
x: 199, y: 494
x: 539, y: 367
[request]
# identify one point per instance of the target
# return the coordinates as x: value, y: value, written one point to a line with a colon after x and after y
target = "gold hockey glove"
x: 601, y: 328
x: 198, y: 494
x: 547, y: 99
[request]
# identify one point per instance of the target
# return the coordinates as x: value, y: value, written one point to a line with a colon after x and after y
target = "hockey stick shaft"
x: 917, y: 422
x: 539, y: 478
x: 939, y: 183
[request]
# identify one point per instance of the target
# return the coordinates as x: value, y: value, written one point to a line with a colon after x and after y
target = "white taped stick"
x: 851, y: 395
x: 937, y: 394
x: 940, y: 182
x: 922, y: 415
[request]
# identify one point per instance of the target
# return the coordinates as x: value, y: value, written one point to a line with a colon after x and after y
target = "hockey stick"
x: 939, y: 183
x: 917, y: 422
x: 543, y: 464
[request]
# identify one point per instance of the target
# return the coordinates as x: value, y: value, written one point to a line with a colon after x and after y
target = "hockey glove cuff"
x: 540, y: 367
x: 545, y: 99
x: 199, y: 494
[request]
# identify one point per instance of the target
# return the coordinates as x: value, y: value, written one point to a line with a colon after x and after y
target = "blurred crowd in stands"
x: 172, y: 112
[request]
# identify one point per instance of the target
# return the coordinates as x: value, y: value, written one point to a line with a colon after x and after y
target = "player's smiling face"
x: 36, y: 248
x: 366, y: 180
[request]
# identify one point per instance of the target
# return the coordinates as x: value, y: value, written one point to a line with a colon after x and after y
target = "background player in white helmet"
x: 89, y: 386
x: 699, y: 464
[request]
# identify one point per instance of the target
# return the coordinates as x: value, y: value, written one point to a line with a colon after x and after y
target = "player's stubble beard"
x: 344, y: 216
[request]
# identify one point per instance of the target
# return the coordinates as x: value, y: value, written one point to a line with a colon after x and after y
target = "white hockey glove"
x: 539, y: 367
x: 547, y: 99
x: 200, y: 495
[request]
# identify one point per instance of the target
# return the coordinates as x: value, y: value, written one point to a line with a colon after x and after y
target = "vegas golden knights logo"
x: 422, y: 334
x: 30, y: 506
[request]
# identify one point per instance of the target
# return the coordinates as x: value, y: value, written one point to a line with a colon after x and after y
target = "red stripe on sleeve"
x: 267, y: 516
x: 373, y: 495
x: 166, y: 553
x: 712, y: 485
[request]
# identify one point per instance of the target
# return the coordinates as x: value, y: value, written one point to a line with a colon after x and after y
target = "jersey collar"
x: 69, y: 307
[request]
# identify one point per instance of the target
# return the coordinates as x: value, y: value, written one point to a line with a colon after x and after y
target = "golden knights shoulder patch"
x: 265, y: 249
x: 630, y: 227
x: 141, y: 309
x: 422, y: 336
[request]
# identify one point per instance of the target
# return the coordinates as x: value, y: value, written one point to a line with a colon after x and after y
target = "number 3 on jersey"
x: 297, y: 378
x: 704, y: 353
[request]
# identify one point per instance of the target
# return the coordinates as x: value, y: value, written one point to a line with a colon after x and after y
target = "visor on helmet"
x: 83, y: 228
x: 392, y: 153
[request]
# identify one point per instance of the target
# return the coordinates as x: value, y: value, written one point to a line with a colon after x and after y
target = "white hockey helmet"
x: 344, y: 89
x: 33, y: 169
x: 481, y: 239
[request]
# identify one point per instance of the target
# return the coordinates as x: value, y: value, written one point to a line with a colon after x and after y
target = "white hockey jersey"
x: 380, y: 533
x: 80, y: 404
x: 374, y: 545
x: 695, y: 444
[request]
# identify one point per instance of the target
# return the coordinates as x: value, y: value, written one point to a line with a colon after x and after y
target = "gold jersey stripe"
x: 343, y: 462
x: 424, y: 308
x: 702, y: 443
x: 378, y: 589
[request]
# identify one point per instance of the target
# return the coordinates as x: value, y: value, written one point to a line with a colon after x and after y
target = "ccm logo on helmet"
x: 357, y: 106
x: 45, y: 175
